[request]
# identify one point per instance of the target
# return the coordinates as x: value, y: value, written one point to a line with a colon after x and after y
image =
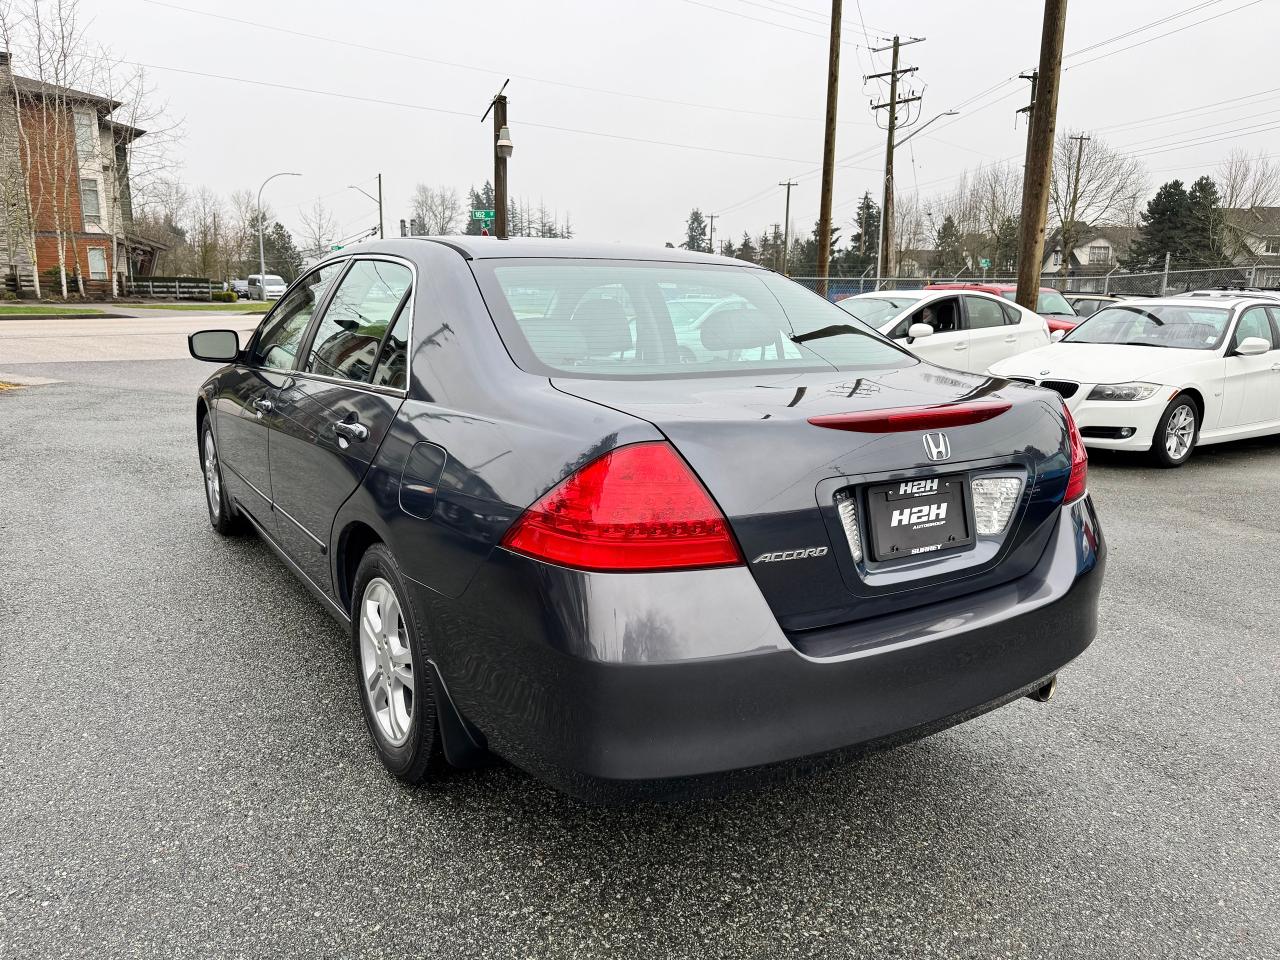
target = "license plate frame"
x: 928, y: 529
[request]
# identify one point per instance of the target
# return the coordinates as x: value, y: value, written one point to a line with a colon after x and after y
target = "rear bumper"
x: 659, y: 685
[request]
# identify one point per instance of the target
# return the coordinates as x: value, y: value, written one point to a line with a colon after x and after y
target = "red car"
x: 1050, y: 304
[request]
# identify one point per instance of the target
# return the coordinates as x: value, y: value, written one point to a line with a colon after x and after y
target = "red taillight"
x: 1078, y: 482
x: 638, y: 507
x: 902, y: 419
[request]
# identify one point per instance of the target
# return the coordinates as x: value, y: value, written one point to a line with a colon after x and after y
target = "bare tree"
x: 319, y: 229
x: 1092, y: 183
x: 1248, y: 180
x: 438, y: 210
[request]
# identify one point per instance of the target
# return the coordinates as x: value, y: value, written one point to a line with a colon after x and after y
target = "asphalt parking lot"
x: 184, y: 770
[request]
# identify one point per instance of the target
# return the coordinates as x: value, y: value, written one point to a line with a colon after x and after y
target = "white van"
x: 266, y: 286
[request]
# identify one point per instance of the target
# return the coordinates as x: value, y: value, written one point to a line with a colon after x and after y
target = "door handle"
x: 351, y: 431
x: 1276, y: 367
x: 961, y: 346
x: 263, y: 405
x: 1010, y: 339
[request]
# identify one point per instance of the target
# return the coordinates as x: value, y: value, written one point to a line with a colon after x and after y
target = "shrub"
x: 224, y: 296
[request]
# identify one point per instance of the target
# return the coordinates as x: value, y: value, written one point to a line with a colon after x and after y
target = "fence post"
x: 1164, y: 284
x: 1253, y: 275
x: 1106, y: 281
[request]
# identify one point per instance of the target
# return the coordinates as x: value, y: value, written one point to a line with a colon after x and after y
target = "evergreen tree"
x: 1163, y: 227
x: 948, y: 259
x: 280, y: 253
x: 747, y: 249
x: 481, y: 199
x: 727, y: 249
x: 1004, y: 259
x: 1204, y: 238
x: 866, y: 238
x: 695, y: 231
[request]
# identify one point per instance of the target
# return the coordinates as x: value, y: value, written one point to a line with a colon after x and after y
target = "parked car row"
x: 1158, y: 374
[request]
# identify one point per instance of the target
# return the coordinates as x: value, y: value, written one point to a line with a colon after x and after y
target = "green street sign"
x: 481, y: 214
x: 984, y: 263
x: 333, y: 247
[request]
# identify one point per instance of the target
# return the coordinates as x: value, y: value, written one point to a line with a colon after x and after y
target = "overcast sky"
x: 752, y: 89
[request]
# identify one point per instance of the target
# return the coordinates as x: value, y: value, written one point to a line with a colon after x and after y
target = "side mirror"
x: 216, y: 346
x: 1057, y: 335
x: 1251, y: 347
x: 917, y: 330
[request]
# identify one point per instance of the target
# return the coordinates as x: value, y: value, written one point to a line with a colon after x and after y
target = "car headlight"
x: 1123, y: 391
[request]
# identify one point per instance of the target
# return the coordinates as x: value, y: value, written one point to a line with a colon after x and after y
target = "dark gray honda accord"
x: 643, y: 521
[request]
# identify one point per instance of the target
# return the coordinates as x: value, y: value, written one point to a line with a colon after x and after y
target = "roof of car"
x: 491, y: 248
x: 1202, y: 302
x: 985, y: 287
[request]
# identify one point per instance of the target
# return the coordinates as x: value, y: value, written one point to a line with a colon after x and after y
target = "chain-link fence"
x: 1117, y: 282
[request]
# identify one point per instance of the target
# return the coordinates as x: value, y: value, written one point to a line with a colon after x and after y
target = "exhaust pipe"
x: 1044, y: 694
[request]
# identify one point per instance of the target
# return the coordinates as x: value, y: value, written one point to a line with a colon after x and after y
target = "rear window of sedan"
x: 656, y: 320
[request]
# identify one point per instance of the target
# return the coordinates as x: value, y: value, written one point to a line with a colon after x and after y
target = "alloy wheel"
x: 1179, y: 433
x: 212, y: 482
x: 386, y: 662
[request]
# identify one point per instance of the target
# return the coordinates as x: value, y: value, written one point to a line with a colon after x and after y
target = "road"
x: 184, y: 771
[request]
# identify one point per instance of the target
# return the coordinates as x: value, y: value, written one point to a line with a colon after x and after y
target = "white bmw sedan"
x: 966, y: 330
x: 1165, y: 375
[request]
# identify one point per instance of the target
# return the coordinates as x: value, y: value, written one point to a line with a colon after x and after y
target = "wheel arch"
x: 353, y: 542
x: 202, y: 414
x: 1197, y: 397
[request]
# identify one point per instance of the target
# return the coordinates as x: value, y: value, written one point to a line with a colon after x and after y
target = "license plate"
x: 916, y: 517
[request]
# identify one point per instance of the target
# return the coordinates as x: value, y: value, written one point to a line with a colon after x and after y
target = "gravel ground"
x: 184, y: 771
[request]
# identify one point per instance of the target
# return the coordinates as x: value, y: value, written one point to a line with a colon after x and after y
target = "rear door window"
x: 349, y: 335
x: 982, y: 313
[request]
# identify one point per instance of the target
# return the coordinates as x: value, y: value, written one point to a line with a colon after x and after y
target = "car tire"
x: 392, y: 671
x: 222, y: 514
x: 1176, y: 433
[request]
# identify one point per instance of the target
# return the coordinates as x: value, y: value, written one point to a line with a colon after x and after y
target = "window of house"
x: 86, y: 136
x: 1273, y: 244
x: 97, y: 263
x: 89, y: 204
x: 1101, y: 253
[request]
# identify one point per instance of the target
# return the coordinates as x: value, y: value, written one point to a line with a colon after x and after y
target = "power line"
x: 1142, y: 27
x: 368, y: 48
x: 770, y: 23
x: 1159, y: 36
x: 460, y: 113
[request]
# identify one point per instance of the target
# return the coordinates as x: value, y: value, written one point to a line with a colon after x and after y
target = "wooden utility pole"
x: 711, y: 233
x: 1073, y: 202
x: 886, y: 258
x: 1039, y: 164
x: 501, y: 152
x: 786, y: 229
x: 829, y: 148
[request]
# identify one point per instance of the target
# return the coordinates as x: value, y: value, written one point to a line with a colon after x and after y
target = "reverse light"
x: 1078, y: 482
x: 638, y: 507
x: 847, y: 505
x: 903, y: 419
x: 993, y: 501
x: 1124, y: 391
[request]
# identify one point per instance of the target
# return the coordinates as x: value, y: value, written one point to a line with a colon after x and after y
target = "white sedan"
x: 966, y: 330
x: 1165, y: 375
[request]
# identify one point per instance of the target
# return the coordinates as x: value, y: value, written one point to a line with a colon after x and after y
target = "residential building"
x: 1097, y: 250
x: 1251, y: 237
x: 64, y: 163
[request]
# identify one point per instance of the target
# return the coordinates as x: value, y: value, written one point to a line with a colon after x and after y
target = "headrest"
x: 739, y: 330
x: 604, y: 326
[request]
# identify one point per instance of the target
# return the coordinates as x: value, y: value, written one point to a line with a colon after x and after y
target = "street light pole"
x: 377, y: 200
x: 262, y: 256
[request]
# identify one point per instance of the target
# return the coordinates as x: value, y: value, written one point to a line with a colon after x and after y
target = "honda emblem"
x: 937, y: 446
